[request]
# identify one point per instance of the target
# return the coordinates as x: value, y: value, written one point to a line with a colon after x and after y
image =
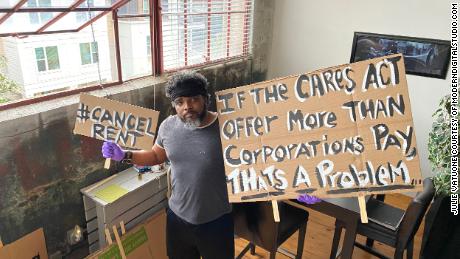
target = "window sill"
x: 24, y: 107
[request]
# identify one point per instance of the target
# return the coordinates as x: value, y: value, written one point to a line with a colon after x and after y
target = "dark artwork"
x: 425, y: 57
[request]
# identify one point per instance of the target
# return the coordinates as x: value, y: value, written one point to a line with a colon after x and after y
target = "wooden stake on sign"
x: 107, y: 236
x: 362, y: 208
x: 107, y: 163
x: 276, y: 212
x: 122, y: 226
x: 120, y: 245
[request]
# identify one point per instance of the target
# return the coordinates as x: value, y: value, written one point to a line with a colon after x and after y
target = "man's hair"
x: 186, y: 84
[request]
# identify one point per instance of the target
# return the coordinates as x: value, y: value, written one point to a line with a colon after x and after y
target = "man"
x: 199, y: 222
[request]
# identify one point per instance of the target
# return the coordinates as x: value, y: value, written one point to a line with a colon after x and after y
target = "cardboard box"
x: 30, y: 246
x: 146, y: 241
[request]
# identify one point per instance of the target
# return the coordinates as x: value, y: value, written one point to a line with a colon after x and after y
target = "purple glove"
x: 113, y: 151
x: 308, y: 199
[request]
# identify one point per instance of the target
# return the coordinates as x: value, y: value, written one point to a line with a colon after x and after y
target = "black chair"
x: 391, y: 226
x: 254, y: 222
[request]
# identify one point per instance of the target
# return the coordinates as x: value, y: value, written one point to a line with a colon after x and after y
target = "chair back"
x: 414, y: 214
x: 254, y: 222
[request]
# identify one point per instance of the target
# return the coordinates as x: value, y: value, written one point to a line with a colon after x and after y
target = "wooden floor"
x: 320, y: 230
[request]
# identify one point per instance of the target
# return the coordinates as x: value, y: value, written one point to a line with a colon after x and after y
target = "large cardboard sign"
x: 335, y: 132
x: 30, y: 246
x: 125, y: 124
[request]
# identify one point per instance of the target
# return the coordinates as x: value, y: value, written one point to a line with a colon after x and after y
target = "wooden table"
x: 346, y: 210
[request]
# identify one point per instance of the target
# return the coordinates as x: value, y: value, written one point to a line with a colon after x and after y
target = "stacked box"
x: 140, y: 198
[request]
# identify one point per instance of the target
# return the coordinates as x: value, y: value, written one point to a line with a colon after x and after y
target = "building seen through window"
x: 44, y: 64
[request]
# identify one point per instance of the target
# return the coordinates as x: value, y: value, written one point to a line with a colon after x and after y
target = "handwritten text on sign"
x: 125, y: 124
x: 333, y: 132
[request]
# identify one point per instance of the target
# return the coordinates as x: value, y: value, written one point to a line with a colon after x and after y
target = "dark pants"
x: 212, y: 240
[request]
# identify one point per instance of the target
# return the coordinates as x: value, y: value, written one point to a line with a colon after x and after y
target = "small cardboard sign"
x: 126, y: 124
x: 30, y: 246
x: 335, y: 132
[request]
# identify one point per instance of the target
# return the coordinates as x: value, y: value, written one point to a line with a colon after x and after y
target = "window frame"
x: 156, y: 48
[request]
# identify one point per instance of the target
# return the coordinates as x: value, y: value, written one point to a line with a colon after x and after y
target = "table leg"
x: 349, y: 239
x: 335, y: 251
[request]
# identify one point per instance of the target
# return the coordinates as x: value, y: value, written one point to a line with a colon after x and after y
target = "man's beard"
x: 191, y: 123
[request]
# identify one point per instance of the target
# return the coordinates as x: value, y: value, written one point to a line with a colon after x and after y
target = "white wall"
x: 308, y: 35
x: 133, y: 48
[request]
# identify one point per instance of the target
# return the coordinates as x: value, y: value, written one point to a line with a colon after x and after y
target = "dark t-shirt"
x: 199, y: 190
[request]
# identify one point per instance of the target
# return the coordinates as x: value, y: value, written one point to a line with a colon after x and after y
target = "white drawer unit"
x: 122, y: 197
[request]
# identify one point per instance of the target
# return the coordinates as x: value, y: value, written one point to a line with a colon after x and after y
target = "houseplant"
x: 441, y: 237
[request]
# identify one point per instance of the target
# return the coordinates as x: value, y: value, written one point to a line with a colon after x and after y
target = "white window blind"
x: 203, y: 31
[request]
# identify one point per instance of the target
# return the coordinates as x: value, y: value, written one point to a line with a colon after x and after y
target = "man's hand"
x: 308, y: 199
x: 113, y: 151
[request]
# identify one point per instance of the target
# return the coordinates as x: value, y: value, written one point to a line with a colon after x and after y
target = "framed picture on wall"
x: 424, y: 57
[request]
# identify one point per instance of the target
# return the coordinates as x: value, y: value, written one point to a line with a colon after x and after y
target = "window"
x: 88, y: 53
x: 202, y: 31
x: 149, y: 46
x: 132, y: 7
x: 39, y: 17
x: 145, y: 6
x: 134, y: 28
x: 47, y: 58
x: 193, y: 33
x: 85, y: 16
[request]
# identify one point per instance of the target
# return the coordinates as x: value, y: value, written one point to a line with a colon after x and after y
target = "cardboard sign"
x: 125, y: 124
x: 334, y: 132
x: 145, y: 241
x: 30, y: 246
